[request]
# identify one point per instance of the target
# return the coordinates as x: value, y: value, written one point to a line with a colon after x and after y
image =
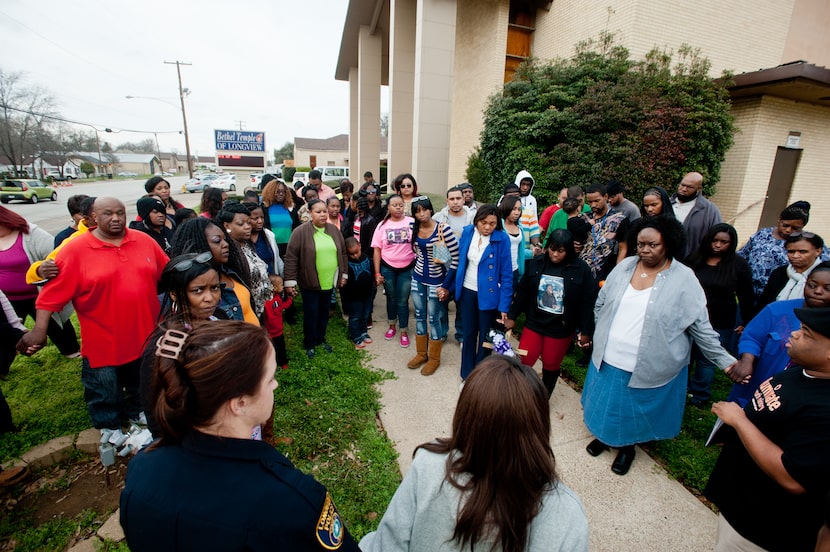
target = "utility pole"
x: 178, y: 65
x: 241, y: 123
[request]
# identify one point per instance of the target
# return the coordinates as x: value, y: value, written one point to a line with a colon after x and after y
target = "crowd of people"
x: 656, y: 297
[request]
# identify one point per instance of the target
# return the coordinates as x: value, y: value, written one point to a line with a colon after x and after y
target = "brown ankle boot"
x: 434, y: 357
x: 420, y: 352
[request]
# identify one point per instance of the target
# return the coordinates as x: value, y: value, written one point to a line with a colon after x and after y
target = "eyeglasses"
x: 185, y: 264
x: 405, y: 186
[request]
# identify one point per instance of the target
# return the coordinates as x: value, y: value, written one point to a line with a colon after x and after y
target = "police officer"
x: 206, y: 484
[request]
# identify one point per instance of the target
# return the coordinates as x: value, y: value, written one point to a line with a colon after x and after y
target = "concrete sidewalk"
x: 643, y: 510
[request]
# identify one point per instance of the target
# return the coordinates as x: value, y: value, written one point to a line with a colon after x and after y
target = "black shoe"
x: 622, y: 463
x: 327, y: 348
x: 310, y: 353
x: 596, y: 447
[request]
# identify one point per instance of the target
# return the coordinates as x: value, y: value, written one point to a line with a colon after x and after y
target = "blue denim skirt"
x: 619, y: 415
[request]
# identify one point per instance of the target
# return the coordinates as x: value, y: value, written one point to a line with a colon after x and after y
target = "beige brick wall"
x: 764, y: 125
x: 480, y: 46
x: 302, y: 158
x: 740, y: 35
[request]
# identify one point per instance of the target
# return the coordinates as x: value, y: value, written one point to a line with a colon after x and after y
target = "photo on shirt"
x: 398, y: 236
x: 551, y: 293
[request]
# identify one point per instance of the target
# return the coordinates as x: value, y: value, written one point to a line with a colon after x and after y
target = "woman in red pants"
x: 556, y: 295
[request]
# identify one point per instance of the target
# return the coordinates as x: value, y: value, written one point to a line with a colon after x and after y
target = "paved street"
x: 53, y: 217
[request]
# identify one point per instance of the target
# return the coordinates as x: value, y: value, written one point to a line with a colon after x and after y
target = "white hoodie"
x: 528, y: 201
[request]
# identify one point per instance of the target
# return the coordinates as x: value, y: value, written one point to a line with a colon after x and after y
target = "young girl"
x: 510, y: 211
x: 393, y: 260
x: 431, y: 282
x: 273, y: 319
x: 333, y: 207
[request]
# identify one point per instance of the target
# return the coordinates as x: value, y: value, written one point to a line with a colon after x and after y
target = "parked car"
x: 199, y: 182
x: 26, y: 190
x: 165, y: 173
x: 225, y: 182
x: 55, y: 175
x: 128, y: 174
x: 302, y: 177
x: 256, y: 178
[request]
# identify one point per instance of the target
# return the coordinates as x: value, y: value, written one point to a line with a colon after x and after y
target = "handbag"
x: 440, y: 251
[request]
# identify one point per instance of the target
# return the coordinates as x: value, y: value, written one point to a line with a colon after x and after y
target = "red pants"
x: 551, y: 349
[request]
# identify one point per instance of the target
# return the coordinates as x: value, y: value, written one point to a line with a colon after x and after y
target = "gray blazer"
x: 675, y: 315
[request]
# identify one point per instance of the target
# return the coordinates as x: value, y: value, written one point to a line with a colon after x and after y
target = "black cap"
x: 614, y: 187
x: 511, y: 187
x: 817, y: 320
x: 147, y: 205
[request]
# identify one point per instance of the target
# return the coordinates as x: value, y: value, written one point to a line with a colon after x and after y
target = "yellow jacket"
x: 32, y: 277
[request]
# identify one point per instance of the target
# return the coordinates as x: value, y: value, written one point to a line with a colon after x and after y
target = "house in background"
x: 139, y: 163
x: 442, y: 59
x: 334, y: 151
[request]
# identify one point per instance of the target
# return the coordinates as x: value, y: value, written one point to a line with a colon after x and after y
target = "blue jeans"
x: 700, y: 383
x: 111, y: 393
x: 358, y: 312
x: 315, y: 316
x: 426, y: 303
x: 397, y: 283
x: 476, y: 325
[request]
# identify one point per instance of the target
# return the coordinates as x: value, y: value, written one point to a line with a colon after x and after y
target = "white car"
x: 256, y: 178
x: 224, y: 182
x: 301, y: 176
x: 127, y: 174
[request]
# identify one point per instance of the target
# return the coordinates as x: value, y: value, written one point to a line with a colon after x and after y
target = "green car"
x: 26, y: 190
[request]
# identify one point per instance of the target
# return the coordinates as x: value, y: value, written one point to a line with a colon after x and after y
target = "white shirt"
x: 627, y: 329
x: 682, y: 210
x: 477, y: 247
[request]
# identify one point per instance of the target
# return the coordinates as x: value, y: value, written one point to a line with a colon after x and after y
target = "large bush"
x: 602, y: 115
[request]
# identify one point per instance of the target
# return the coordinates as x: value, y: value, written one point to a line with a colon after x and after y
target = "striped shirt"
x: 435, y: 273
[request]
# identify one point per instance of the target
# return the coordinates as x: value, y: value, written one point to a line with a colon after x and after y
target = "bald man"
x: 697, y: 213
x: 110, y: 275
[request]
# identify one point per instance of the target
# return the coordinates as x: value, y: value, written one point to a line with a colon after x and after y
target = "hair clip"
x: 170, y: 344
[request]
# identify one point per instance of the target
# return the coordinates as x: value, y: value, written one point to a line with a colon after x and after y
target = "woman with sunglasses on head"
x: 199, y: 235
x: 491, y: 485
x: 191, y: 292
x: 406, y: 187
x: 765, y: 250
x: 432, y: 284
x: 787, y: 281
x: 205, y: 484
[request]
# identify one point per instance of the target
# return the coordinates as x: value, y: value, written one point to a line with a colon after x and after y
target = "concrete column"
x: 368, y: 103
x: 354, y: 143
x: 401, y: 85
x: 434, y: 54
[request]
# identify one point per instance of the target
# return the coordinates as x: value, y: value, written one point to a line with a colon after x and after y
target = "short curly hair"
x: 674, y: 236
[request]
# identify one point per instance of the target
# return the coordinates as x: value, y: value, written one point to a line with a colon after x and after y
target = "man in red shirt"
x: 110, y: 275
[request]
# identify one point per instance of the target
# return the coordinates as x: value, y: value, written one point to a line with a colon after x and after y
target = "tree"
x: 283, y: 153
x: 144, y: 146
x: 87, y: 168
x: 601, y: 115
x: 24, y: 112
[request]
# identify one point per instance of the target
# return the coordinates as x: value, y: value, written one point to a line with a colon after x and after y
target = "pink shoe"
x: 404, y: 340
x: 390, y: 334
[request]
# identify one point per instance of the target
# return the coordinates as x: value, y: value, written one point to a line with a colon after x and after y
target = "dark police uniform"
x: 225, y: 494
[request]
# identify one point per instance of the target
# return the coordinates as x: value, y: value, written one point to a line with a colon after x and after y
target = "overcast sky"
x: 267, y: 63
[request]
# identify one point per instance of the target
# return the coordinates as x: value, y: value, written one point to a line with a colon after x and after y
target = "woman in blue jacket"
x: 483, y: 283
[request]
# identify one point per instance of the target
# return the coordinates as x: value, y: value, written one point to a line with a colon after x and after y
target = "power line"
x: 105, y: 129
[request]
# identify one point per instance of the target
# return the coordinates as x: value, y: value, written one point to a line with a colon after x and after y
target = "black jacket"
x: 577, y: 301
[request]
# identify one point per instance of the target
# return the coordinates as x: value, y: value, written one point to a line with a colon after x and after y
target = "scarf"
x: 794, y: 288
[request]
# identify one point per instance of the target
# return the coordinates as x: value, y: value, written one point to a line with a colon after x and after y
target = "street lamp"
x: 184, y: 92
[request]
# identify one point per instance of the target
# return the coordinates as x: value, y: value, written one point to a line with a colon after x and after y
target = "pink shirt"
x: 13, y: 266
x: 394, y: 240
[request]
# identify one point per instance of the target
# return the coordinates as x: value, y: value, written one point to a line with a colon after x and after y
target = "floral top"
x: 765, y: 253
x: 261, y: 289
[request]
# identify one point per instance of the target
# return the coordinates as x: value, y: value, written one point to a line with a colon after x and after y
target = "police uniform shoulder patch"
x: 330, y: 530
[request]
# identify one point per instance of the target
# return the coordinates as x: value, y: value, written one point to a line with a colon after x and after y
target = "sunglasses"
x: 405, y: 186
x: 803, y: 234
x: 185, y: 264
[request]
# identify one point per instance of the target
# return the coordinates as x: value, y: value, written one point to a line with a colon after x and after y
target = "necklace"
x: 645, y: 274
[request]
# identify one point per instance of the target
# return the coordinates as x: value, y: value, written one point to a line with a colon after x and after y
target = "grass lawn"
x: 326, y: 406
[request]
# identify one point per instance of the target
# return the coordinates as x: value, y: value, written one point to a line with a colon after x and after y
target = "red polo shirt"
x: 113, y: 289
